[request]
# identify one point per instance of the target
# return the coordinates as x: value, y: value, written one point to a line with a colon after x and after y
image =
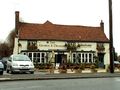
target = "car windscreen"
x: 21, y: 58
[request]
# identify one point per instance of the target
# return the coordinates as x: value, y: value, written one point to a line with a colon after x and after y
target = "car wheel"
x: 32, y: 72
x: 11, y: 72
x: 7, y: 71
x: 1, y: 73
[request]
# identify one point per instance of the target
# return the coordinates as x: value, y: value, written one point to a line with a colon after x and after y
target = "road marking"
x: 5, y: 78
x: 117, y: 79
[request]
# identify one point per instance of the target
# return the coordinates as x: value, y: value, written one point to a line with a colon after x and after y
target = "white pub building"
x: 50, y: 42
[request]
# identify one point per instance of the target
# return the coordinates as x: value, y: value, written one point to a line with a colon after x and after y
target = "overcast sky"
x: 69, y: 12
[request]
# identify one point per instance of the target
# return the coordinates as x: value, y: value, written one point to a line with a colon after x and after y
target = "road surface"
x: 64, y: 84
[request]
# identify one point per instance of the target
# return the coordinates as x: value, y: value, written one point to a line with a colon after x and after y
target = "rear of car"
x: 116, y: 64
x: 1, y: 68
x: 20, y: 63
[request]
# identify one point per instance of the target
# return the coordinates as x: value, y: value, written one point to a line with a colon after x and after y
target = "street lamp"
x: 111, y: 38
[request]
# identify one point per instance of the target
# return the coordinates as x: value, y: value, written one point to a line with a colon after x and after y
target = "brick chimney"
x: 102, y: 25
x: 16, y: 21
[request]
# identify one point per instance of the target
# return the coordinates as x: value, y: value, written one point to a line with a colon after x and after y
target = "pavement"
x: 40, y: 75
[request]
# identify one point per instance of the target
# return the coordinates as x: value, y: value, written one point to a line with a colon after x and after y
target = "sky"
x: 66, y: 12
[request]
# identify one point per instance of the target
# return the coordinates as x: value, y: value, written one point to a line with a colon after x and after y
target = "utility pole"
x: 111, y: 38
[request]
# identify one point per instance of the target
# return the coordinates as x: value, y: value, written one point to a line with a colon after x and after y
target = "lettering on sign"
x: 51, y: 45
x: 55, y: 45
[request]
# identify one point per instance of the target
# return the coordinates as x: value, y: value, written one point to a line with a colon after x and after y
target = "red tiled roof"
x: 49, y: 31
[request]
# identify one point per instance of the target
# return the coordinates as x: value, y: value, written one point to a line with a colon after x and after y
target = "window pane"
x: 43, y: 54
x: 79, y: 58
x: 86, y: 57
x: 42, y: 60
x: 73, y: 58
x: 38, y: 54
x: 82, y: 57
x: 34, y: 55
x: 30, y: 54
x: 90, y: 58
x: 38, y: 60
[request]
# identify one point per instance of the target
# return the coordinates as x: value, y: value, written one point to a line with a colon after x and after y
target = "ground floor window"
x: 82, y: 57
x: 74, y: 57
x: 37, y: 57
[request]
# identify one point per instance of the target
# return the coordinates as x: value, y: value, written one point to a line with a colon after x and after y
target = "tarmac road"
x: 64, y: 84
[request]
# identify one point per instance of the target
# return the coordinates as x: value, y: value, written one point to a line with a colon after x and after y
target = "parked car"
x: 19, y: 63
x: 1, y: 68
x: 4, y: 63
x: 117, y: 64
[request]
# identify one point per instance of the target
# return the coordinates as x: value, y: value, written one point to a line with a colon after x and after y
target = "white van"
x: 19, y: 63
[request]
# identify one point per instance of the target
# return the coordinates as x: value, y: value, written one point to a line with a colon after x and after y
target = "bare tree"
x: 4, y: 50
x: 119, y: 58
x: 10, y: 39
